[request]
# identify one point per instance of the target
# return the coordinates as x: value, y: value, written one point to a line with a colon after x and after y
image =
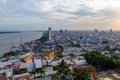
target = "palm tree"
x: 71, y: 56
x: 63, y: 70
x: 41, y: 73
x: 3, y: 73
x: 33, y: 72
x: 54, y: 76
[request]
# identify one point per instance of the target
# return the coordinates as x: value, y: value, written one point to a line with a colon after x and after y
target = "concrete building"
x: 35, y: 64
x: 72, y: 50
x: 7, y: 68
x: 49, y: 33
x: 96, y: 31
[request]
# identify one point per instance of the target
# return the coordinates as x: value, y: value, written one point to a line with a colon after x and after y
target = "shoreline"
x: 29, y: 39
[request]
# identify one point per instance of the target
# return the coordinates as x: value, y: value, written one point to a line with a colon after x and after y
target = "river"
x: 15, y: 38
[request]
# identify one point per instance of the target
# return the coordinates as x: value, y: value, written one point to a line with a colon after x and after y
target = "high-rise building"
x: 49, y: 33
x: 61, y: 31
x: 66, y: 31
x: 110, y: 30
x: 96, y: 30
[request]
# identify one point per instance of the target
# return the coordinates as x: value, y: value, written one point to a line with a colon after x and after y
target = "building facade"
x: 49, y: 33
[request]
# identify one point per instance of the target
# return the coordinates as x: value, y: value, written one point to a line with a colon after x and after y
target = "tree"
x: 43, y: 38
x: 82, y: 75
x: 100, y: 61
x: 11, y: 53
x: 105, y: 42
x: 33, y: 72
x: 54, y: 76
x: 41, y: 73
x: 71, y: 56
x: 59, y: 49
x: 115, y: 56
x: 63, y: 70
x: 3, y: 73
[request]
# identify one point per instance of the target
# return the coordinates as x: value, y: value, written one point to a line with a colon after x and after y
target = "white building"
x: 7, y: 68
x: 72, y: 50
x: 36, y: 65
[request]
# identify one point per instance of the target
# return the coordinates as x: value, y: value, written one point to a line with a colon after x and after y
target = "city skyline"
x: 59, y: 14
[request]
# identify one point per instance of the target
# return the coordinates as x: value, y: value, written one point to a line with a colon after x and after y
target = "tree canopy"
x: 100, y: 61
x: 82, y: 75
x: 63, y: 70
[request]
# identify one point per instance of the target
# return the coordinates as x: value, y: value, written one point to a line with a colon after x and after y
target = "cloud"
x: 61, y: 15
x: 39, y: 5
x: 3, y: 1
x: 102, y: 4
x: 82, y: 14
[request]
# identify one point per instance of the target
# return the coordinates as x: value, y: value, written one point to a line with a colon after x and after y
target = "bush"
x: 54, y: 68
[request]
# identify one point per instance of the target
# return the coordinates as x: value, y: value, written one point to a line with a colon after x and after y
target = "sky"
x: 59, y: 14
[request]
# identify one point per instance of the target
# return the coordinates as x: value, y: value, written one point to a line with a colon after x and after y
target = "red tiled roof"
x: 117, y: 70
x: 27, y: 77
x: 91, y: 69
x: 3, y: 78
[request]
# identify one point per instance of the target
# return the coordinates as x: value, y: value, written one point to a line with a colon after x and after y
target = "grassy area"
x: 109, y: 74
x: 115, y: 56
x: 118, y: 78
x: 101, y: 75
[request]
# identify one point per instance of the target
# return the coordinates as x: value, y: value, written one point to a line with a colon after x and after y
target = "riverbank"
x: 9, y: 40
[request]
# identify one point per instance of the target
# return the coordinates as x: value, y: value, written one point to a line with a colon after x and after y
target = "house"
x: 25, y: 76
x: 72, y: 50
x: 34, y: 64
x: 26, y: 57
x: 20, y: 68
x: 4, y: 77
x: 7, y: 68
x: 51, y: 55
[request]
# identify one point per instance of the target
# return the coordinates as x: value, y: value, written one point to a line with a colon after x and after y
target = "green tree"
x: 105, y: 42
x: 33, y: 72
x: 63, y: 70
x: 83, y: 75
x: 72, y: 56
x: 59, y: 49
x: 3, y: 73
x: 41, y: 73
x: 100, y: 61
x: 54, y: 76
x: 11, y: 53
x: 43, y: 39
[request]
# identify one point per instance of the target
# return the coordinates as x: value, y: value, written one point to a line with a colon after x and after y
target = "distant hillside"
x: 5, y: 32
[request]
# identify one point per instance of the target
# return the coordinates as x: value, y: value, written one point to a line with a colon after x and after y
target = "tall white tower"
x: 49, y: 33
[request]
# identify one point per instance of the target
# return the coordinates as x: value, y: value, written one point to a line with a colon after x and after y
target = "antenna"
x: 11, y: 45
x: 21, y: 38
